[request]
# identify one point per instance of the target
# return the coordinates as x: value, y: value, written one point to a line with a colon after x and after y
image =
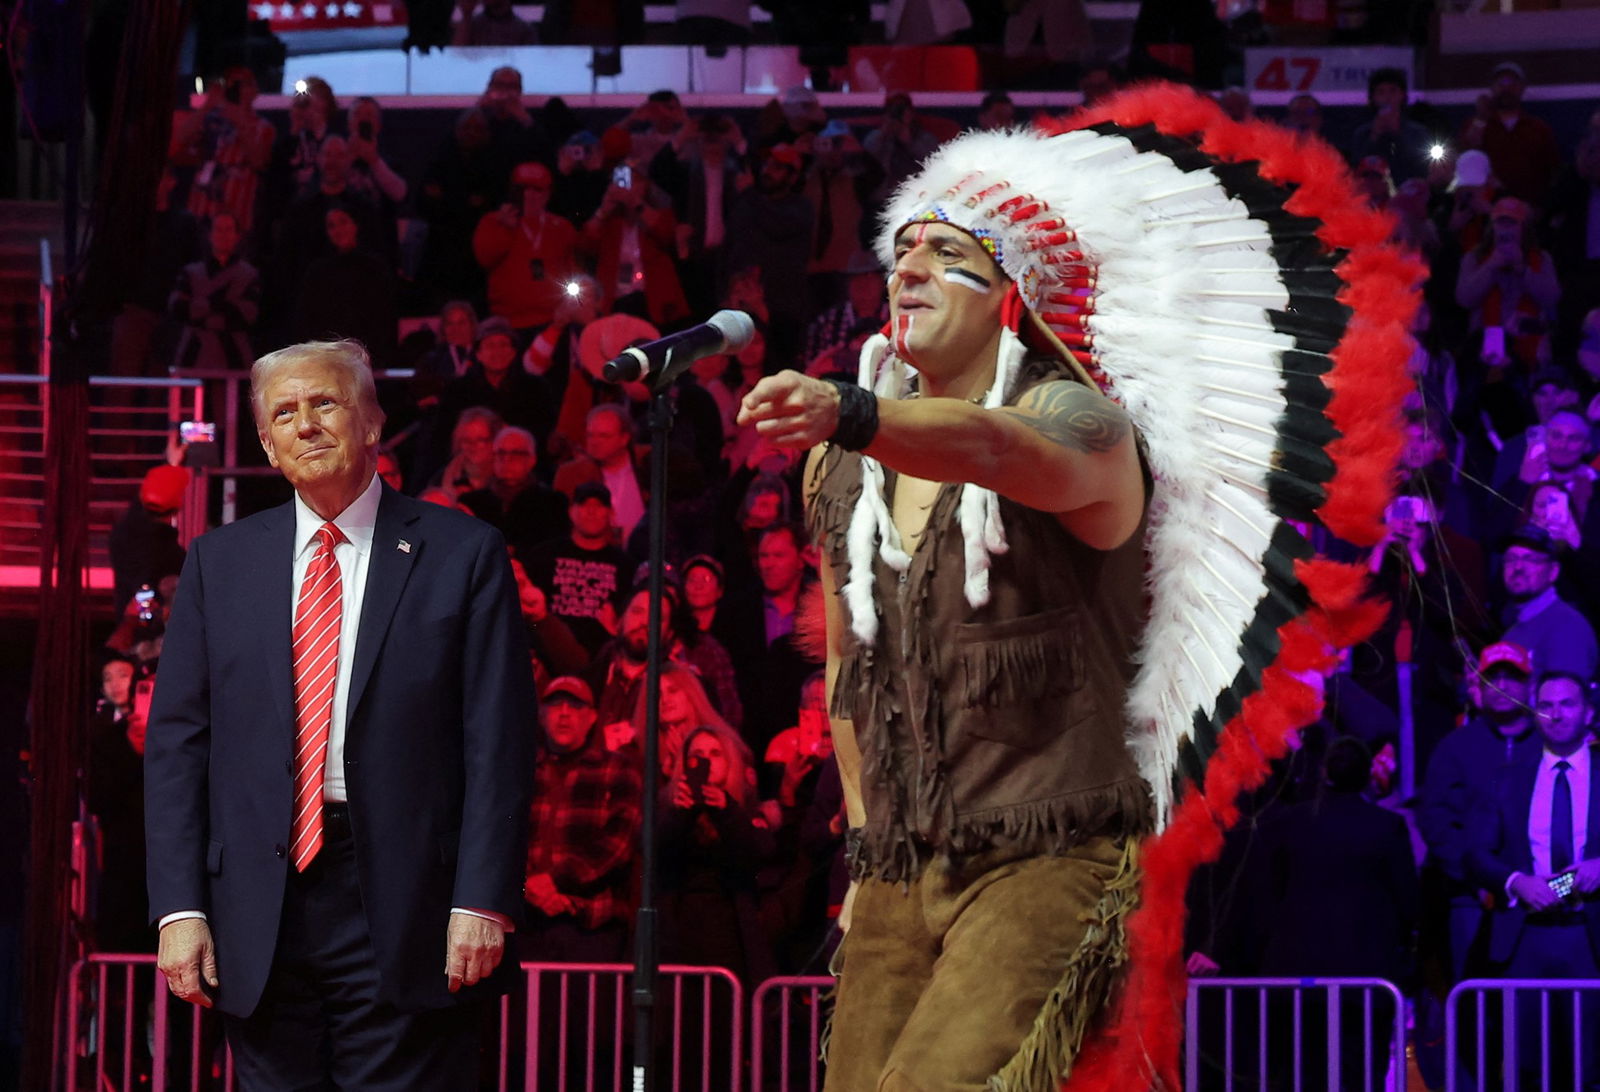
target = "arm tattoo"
x: 1073, y: 416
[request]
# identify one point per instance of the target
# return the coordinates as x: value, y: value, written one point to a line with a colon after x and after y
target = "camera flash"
x: 300, y: 87
x: 573, y: 289
x: 1436, y: 152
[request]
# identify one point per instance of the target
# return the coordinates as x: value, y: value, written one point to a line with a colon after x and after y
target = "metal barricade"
x: 125, y: 1031
x: 1274, y: 1022
x: 778, y: 1070
x: 1504, y: 1029
x: 586, y: 1041
x: 122, y: 1026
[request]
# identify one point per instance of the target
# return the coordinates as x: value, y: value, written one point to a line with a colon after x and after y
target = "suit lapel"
x: 273, y: 567
x: 1526, y: 777
x: 395, y: 547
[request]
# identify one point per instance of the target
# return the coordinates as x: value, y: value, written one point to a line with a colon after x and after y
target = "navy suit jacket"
x: 438, y: 752
x: 1500, y: 847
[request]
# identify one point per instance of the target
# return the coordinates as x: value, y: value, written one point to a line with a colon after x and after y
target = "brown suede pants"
x: 988, y: 970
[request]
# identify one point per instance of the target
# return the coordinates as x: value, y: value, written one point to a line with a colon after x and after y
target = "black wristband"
x: 852, y: 851
x: 858, y: 416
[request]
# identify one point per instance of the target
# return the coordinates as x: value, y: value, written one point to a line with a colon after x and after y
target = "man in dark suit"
x: 1545, y: 826
x: 339, y: 761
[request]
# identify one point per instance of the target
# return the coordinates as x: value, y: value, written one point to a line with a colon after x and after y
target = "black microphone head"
x: 736, y: 327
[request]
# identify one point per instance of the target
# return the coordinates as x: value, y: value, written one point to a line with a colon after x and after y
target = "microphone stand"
x: 646, y: 954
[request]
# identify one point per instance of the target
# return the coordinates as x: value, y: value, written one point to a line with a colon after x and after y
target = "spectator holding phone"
x: 526, y: 252
x: 712, y: 839
x: 1509, y: 286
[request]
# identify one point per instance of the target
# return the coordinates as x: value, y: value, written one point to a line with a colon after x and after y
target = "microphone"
x: 723, y: 332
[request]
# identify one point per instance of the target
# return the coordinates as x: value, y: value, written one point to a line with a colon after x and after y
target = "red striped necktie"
x: 316, y: 671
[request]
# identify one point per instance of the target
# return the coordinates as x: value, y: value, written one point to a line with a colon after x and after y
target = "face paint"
x: 968, y: 279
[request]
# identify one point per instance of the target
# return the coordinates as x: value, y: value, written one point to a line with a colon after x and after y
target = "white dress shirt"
x: 356, y: 523
x: 1539, y: 811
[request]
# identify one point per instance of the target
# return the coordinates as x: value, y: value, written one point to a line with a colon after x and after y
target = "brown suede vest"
x: 995, y: 728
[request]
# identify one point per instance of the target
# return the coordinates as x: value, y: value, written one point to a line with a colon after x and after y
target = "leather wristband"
x: 858, y: 416
x: 852, y: 851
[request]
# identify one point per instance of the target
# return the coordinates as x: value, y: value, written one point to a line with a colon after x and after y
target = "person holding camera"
x: 527, y: 252
x: 1509, y: 285
x: 712, y: 839
x: 633, y: 238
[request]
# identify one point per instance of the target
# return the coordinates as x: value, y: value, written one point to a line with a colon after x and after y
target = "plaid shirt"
x: 583, y: 830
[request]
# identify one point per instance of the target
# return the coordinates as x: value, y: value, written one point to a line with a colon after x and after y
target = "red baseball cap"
x: 163, y: 488
x: 534, y: 176
x: 1504, y: 652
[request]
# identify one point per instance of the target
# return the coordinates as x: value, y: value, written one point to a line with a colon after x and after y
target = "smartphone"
x: 1534, y: 435
x: 696, y: 769
x: 197, y: 432
x: 234, y: 92
x: 143, y: 691
x: 622, y: 177
x: 146, y: 598
x: 364, y: 130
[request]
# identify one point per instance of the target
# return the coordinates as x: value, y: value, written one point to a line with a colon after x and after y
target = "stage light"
x: 1437, y: 152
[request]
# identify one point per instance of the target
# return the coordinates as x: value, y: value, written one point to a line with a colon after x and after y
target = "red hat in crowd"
x: 571, y: 686
x: 1508, y: 654
x: 531, y: 176
x: 785, y: 154
x: 163, y: 488
x: 616, y: 144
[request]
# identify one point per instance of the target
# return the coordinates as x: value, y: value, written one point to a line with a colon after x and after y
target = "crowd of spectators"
x: 543, y: 249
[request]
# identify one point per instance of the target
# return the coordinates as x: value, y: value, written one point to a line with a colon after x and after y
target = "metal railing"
x: 123, y: 1030
x: 1504, y: 1029
x: 1271, y: 1032
x: 776, y: 1066
x: 568, y: 1027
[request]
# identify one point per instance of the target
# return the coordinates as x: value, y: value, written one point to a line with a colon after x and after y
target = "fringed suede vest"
x: 996, y: 728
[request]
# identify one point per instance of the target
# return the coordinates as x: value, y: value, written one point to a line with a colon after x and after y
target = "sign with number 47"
x: 1311, y: 70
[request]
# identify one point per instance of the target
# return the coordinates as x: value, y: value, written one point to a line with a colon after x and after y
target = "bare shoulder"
x: 1072, y: 415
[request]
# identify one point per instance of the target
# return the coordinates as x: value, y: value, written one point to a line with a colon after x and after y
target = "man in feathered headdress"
x: 982, y: 525
x: 1065, y: 587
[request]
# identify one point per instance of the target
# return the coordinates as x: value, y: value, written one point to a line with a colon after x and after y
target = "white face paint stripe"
x: 902, y: 339
x: 968, y: 279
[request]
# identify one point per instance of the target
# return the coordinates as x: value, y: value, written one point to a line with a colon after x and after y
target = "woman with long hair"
x: 684, y: 707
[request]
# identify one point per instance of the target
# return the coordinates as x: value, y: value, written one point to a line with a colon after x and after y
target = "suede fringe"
x: 1018, y: 670
x: 1045, y: 1057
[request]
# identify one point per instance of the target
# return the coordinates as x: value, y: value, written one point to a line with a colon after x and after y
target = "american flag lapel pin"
x: 403, y: 546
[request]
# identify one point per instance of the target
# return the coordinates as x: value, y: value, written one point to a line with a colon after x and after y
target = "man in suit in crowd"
x: 1545, y: 828
x: 339, y: 760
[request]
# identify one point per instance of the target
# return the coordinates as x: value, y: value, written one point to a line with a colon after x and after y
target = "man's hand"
x: 790, y: 410
x: 187, y: 959
x: 1586, y: 877
x: 1533, y: 892
x: 509, y: 216
x: 541, y: 891
x: 472, y: 949
x: 1535, y: 464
